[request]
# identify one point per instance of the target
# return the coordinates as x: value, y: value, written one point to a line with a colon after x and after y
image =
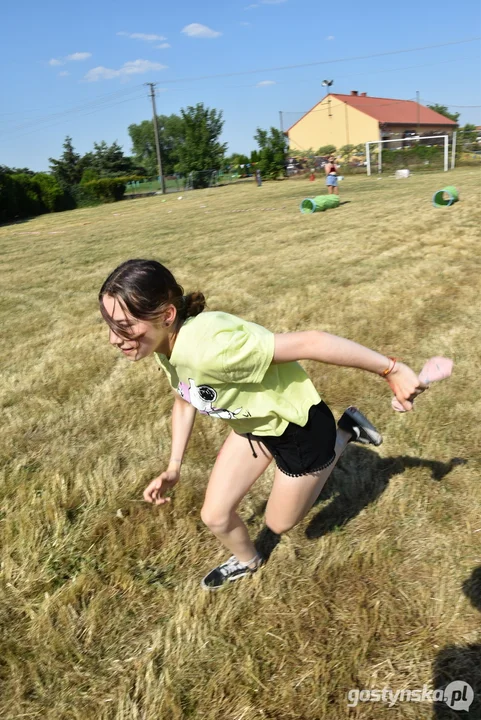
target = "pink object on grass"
x: 436, y: 368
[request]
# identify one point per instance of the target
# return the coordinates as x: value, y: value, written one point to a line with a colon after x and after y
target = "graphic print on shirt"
x: 202, y: 397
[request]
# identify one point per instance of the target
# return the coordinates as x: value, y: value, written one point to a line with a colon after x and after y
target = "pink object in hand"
x: 436, y: 368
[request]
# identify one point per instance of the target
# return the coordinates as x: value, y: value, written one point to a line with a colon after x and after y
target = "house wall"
x: 332, y: 122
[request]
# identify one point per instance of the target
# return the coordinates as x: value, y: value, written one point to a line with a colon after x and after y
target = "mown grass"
x: 102, y: 616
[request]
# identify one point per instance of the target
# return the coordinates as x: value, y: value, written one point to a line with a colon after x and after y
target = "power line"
x: 103, y: 98
x: 454, y: 106
x: 104, y: 101
x: 319, y: 62
x: 82, y: 114
x: 95, y: 103
x: 375, y: 72
x: 94, y: 99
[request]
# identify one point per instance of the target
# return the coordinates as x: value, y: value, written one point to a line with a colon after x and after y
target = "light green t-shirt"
x: 221, y: 364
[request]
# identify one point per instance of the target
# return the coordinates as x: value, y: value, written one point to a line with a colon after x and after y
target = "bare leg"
x: 234, y: 473
x: 291, y: 498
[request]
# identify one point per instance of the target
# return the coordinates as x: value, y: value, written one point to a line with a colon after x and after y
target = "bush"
x: 54, y: 198
x: 103, y: 190
x: 327, y: 150
x: 89, y: 175
x: 29, y: 196
x: 7, y: 198
x: 23, y: 196
x: 20, y: 197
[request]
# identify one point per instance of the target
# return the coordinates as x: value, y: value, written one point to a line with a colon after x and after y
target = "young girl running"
x: 239, y: 372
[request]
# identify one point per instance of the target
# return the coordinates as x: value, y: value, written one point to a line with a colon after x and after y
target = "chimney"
x: 363, y: 94
x: 354, y: 92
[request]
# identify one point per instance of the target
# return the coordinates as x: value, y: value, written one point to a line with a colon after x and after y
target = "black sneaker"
x: 229, y: 571
x: 353, y: 421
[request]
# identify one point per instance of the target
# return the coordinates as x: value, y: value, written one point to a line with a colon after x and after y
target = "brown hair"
x: 145, y: 288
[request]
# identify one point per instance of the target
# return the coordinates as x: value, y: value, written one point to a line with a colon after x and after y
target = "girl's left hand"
x: 405, y: 384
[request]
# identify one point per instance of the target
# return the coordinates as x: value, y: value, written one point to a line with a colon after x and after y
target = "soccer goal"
x: 374, y: 150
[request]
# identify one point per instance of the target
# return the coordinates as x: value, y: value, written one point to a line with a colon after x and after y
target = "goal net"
x: 411, y: 153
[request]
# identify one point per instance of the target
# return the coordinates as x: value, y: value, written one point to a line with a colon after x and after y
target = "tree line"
x: 189, y: 142
x: 190, y: 145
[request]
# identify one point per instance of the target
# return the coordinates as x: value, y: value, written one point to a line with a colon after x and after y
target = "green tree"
x: 89, y: 174
x: 52, y: 196
x: 4, y: 170
x: 109, y: 160
x: 468, y: 134
x: 272, y: 152
x: 327, y: 150
x: 200, y: 149
x: 68, y: 168
x: 235, y: 160
x: 171, y: 136
x: 443, y: 110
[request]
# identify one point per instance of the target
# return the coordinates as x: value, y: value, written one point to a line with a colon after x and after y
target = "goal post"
x: 380, y: 144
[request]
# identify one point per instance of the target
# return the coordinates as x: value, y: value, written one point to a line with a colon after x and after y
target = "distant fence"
x: 183, y: 183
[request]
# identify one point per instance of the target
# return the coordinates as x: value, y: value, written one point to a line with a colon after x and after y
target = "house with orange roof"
x: 357, y: 118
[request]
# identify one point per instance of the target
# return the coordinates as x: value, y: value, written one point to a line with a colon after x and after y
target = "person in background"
x: 331, y: 176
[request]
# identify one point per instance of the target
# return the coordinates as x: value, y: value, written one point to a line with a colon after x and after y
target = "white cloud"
x: 245, y: 24
x: 265, y: 83
x: 200, y: 31
x: 251, y: 7
x: 133, y: 67
x: 78, y: 56
x: 163, y: 46
x: 64, y: 73
x: 146, y: 37
x: 330, y: 37
x: 55, y: 62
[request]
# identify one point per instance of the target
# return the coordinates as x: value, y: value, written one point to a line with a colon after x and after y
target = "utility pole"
x: 418, y: 109
x: 156, y: 134
x: 281, y: 123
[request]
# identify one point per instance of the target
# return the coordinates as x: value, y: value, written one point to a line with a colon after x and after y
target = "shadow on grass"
x: 359, y: 478
x: 461, y: 663
x: 17, y: 221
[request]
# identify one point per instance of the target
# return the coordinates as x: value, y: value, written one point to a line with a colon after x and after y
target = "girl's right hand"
x: 155, y: 491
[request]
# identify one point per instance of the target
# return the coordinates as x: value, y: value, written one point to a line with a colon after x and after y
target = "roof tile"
x: 394, y: 112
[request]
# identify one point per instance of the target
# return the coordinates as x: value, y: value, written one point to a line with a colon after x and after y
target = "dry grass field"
x: 101, y: 613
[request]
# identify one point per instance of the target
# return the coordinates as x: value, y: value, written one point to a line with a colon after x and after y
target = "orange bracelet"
x: 388, y: 370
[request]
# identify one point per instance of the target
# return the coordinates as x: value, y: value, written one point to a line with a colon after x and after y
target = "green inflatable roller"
x: 445, y: 197
x: 321, y: 202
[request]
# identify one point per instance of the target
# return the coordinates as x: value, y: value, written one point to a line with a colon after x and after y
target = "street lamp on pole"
x: 327, y: 84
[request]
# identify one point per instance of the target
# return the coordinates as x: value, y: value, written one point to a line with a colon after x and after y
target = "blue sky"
x: 77, y: 68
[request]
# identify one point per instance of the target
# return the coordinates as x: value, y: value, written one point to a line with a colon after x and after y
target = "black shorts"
x: 304, y: 450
